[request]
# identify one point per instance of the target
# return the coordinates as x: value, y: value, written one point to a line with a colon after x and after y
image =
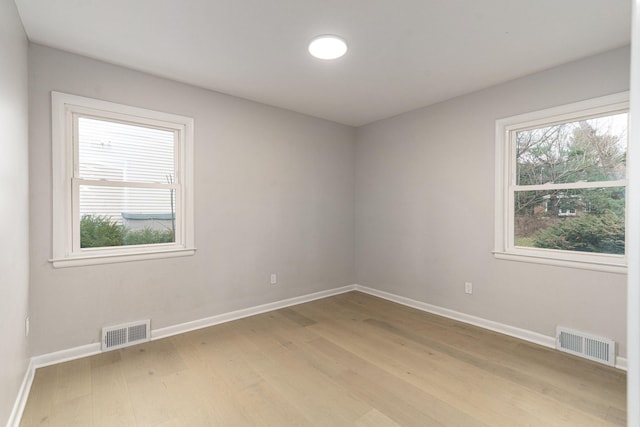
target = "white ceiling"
x: 403, y: 54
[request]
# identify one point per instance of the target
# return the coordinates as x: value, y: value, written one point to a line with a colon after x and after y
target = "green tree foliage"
x: 569, y: 152
x: 147, y: 236
x: 99, y: 231
x: 588, y: 233
x: 588, y: 220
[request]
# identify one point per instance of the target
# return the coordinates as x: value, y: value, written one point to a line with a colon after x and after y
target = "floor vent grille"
x: 591, y: 347
x: 125, y: 335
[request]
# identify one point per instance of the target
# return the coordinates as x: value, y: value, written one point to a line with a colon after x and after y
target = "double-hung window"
x: 122, y: 182
x: 561, y: 185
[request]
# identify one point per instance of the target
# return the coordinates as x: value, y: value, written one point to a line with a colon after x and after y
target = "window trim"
x: 504, y: 248
x: 63, y: 108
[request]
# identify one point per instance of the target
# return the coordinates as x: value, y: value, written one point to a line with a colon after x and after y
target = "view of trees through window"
x: 569, y: 191
x: 126, y: 188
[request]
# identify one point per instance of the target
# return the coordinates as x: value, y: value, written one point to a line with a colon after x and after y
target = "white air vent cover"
x: 591, y: 347
x: 126, y: 334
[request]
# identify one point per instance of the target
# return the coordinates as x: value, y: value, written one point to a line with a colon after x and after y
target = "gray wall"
x: 425, y: 203
x: 279, y: 192
x: 14, y: 215
x: 274, y: 194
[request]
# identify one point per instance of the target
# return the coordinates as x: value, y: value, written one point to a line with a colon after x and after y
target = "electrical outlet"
x: 468, y: 287
x: 274, y: 279
x: 26, y: 327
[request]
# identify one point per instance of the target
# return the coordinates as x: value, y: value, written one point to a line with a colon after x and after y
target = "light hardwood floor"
x: 347, y: 360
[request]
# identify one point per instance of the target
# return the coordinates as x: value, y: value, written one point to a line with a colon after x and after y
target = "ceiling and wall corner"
x: 402, y: 55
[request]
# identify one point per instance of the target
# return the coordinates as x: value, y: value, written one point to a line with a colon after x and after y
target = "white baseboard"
x: 65, y: 355
x: 512, y: 331
x: 42, y: 361
x: 523, y: 334
x: 621, y: 363
x: 95, y: 348
x: 21, y: 399
x: 246, y: 312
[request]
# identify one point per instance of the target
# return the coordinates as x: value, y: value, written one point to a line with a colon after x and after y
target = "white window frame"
x: 505, y: 183
x: 66, y: 216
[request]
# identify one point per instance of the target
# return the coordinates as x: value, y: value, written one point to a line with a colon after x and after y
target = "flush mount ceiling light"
x: 327, y: 47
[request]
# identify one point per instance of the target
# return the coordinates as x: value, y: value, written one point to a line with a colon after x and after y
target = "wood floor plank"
x: 537, y: 384
x: 40, y: 405
x: 558, y: 369
x: 500, y: 380
x: 375, y: 418
x: 446, y: 394
x: 73, y: 381
x: 348, y: 360
x: 308, y: 388
x: 111, y: 401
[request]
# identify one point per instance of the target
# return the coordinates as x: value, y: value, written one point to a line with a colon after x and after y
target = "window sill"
x: 609, y: 267
x: 83, y: 260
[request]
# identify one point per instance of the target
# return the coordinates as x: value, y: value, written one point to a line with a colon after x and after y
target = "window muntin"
x: 560, y: 194
x: 122, y: 182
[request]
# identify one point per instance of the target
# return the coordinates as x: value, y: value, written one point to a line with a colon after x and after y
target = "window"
x: 122, y: 182
x: 561, y: 185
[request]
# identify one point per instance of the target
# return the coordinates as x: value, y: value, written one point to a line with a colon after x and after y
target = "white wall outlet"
x: 274, y: 278
x: 468, y: 287
x: 26, y: 327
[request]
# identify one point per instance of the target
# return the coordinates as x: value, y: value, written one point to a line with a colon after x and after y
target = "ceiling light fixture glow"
x: 327, y: 47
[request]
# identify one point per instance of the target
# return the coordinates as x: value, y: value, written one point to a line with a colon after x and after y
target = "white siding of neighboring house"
x: 122, y: 152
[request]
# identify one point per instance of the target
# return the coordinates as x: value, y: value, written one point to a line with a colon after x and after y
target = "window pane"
x: 116, y: 216
x: 124, y: 152
x: 586, y: 150
x: 586, y: 220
